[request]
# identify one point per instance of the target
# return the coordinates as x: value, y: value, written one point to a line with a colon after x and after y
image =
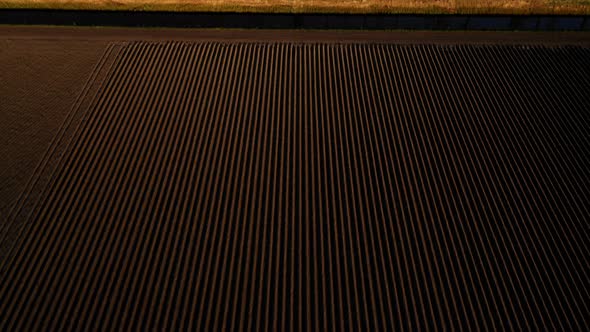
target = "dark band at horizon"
x: 295, y: 21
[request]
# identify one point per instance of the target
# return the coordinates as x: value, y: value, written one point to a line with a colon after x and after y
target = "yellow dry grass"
x: 321, y: 6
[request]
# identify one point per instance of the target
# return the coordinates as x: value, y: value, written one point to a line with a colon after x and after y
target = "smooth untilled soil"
x: 39, y: 83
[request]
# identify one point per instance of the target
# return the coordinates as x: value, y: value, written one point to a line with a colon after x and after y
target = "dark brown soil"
x: 262, y: 185
x: 86, y: 34
x: 39, y: 83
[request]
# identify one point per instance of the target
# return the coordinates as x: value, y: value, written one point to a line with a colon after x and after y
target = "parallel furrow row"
x: 260, y: 186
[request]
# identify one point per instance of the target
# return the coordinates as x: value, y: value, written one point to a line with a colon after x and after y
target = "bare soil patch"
x: 39, y: 83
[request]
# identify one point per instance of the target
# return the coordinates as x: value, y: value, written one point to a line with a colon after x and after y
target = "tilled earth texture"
x: 39, y: 82
x: 294, y: 186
